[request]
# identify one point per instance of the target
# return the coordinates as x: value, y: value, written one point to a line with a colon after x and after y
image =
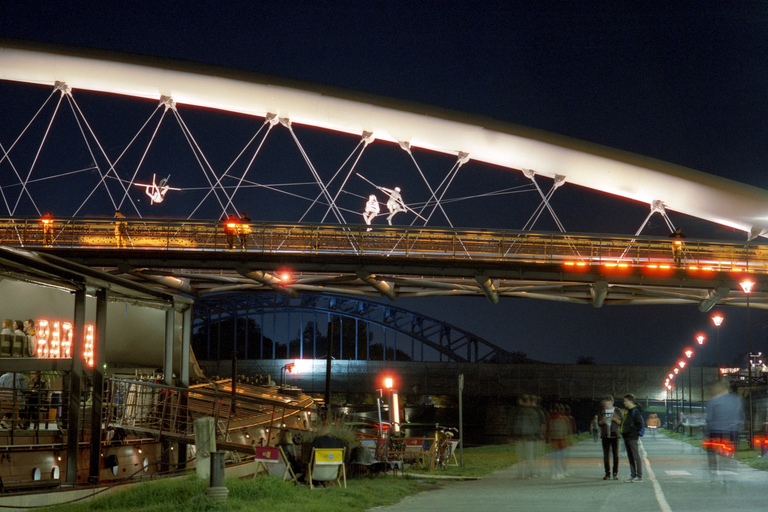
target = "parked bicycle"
x: 441, y: 451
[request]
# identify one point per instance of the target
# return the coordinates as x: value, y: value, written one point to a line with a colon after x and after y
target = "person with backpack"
x: 632, y: 429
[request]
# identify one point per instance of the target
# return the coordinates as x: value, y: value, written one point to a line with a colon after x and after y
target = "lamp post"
x: 747, y: 286
x: 682, y: 364
x: 689, y: 354
x: 700, y: 339
x: 717, y: 319
x: 286, y: 368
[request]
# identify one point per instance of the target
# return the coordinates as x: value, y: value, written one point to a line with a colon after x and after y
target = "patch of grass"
x: 266, y: 493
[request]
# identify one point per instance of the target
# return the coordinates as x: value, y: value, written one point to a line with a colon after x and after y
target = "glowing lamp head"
x: 688, y: 353
x: 747, y: 286
x: 671, y: 376
x: 700, y: 339
x: 290, y: 367
x: 681, y: 364
x: 717, y: 320
x: 677, y: 371
x: 389, y: 383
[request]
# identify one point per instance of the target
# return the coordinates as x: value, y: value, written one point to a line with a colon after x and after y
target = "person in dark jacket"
x: 631, y: 428
x: 610, y: 419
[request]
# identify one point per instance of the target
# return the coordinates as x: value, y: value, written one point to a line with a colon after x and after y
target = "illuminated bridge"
x: 89, y: 132
x: 192, y: 257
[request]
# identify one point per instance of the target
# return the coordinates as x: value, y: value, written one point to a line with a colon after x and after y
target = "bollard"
x: 217, y: 491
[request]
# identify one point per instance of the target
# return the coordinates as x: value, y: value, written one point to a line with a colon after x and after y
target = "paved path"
x: 676, y: 479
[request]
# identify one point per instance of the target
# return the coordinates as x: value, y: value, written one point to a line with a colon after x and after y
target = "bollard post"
x: 217, y: 490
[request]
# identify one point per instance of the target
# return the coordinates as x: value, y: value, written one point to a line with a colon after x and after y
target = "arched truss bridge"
x: 425, y: 338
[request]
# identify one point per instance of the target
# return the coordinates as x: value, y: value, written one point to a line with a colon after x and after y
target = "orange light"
x: 581, y: 264
x: 664, y: 267
x: 569, y: 263
x: 700, y: 339
x: 688, y: 353
x: 718, y: 320
x: 653, y: 266
x: 681, y: 364
x: 693, y: 267
x: 388, y: 383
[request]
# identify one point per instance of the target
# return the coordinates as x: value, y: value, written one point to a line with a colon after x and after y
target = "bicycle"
x: 440, y: 451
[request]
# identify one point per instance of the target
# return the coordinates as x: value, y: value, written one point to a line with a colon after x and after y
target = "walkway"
x: 676, y: 479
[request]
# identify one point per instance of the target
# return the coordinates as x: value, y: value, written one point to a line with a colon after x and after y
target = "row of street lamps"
x: 717, y: 319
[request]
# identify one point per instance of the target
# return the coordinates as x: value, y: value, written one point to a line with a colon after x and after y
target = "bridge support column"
x: 170, y: 317
x: 97, y: 402
x: 75, y: 386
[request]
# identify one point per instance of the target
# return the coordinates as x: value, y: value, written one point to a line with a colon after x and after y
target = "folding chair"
x: 272, y: 460
x: 415, y: 450
x: 326, y: 465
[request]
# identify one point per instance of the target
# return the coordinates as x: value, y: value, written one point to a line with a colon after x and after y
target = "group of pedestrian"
x: 24, y: 329
x: 23, y: 399
x: 237, y: 228
x: 625, y: 423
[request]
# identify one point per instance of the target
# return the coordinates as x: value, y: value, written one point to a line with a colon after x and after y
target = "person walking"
x: 725, y: 417
x: 610, y: 419
x: 594, y: 429
x: 244, y: 230
x: 632, y: 429
x: 47, y: 222
x: 121, y: 230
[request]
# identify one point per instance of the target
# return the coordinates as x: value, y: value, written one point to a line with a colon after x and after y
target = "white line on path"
x: 663, y: 505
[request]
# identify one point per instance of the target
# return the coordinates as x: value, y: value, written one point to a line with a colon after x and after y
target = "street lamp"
x: 286, y: 368
x: 717, y: 319
x: 747, y: 286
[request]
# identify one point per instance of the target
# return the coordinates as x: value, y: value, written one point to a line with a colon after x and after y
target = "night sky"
x: 684, y: 85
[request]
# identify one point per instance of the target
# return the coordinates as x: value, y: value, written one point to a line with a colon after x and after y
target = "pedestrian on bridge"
x: 231, y: 226
x: 121, y: 229
x: 47, y: 223
x: 244, y: 230
x: 677, y: 246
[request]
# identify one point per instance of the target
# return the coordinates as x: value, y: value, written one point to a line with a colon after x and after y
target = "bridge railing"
x: 409, y: 242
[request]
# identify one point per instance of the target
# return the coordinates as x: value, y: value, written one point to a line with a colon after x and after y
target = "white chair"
x: 327, y: 465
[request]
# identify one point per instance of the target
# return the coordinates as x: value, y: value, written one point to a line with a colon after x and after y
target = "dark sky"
x: 683, y: 84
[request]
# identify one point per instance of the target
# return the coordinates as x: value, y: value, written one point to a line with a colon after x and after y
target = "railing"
x: 433, y: 243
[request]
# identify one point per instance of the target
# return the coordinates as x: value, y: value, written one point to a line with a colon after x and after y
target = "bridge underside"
x: 198, y: 273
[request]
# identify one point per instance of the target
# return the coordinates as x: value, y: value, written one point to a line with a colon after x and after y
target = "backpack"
x: 641, y: 433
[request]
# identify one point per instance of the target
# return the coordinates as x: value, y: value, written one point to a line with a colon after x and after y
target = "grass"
x: 266, y: 493
x: 744, y: 454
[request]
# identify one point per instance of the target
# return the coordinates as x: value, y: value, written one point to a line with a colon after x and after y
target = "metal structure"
x: 110, y: 180
x: 192, y: 258
x: 426, y: 338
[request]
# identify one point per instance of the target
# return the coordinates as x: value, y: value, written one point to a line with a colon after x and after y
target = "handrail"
x: 576, y: 249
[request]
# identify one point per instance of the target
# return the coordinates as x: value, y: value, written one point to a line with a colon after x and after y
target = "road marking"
x: 678, y: 472
x: 663, y: 505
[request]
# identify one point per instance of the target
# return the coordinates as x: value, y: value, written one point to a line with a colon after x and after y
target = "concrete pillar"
x: 75, y: 386
x: 97, y: 408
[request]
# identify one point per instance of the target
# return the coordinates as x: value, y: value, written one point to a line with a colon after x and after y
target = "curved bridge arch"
x: 533, y: 152
x: 442, y: 341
